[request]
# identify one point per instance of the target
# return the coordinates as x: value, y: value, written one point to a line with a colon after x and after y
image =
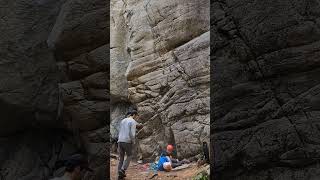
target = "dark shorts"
x: 125, y: 148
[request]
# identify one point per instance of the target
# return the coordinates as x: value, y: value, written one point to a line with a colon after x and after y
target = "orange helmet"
x: 170, y: 148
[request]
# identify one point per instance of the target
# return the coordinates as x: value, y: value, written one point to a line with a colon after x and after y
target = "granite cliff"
x: 160, y: 65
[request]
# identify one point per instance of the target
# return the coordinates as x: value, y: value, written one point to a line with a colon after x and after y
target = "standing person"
x: 126, y: 140
x: 75, y: 167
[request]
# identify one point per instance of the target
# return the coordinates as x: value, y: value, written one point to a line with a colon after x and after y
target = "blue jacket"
x: 162, y: 160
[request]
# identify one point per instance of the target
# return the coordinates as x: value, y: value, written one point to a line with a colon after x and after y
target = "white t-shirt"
x: 127, y: 131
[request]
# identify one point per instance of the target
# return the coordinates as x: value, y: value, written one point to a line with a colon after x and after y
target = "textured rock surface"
x: 265, y: 89
x: 28, y: 90
x: 160, y: 50
x: 80, y: 27
x: 32, y: 155
x: 119, y: 57
x: 79, y: 41
x: 29, y: 78
x: 54, y: 97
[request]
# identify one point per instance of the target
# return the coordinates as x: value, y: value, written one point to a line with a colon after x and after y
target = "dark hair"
x: 131, y: 113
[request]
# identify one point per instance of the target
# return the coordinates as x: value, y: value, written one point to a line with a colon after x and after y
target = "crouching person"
x: 164, y: 164
x: 169, y: 153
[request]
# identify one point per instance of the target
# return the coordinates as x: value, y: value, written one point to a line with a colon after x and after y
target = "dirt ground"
x: 141, y: 172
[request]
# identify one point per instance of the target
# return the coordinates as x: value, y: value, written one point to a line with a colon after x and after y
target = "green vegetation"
x: 202, y: 176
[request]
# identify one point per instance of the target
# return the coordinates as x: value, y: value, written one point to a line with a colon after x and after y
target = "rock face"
x: 265, y: 89
x: 32, y: 155
x: 54, y: 97
x: 29, y: 94
x: 80, y: 27
x: 29, y: 77
x: 160, y: 51
x: 79, y: 40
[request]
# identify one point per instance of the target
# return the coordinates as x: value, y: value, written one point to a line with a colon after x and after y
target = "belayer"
x: 166, y: 161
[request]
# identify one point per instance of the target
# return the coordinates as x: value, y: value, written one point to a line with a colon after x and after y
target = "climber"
x: 75, y: 167
x: 169, y: 153
x: 126, y: 140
